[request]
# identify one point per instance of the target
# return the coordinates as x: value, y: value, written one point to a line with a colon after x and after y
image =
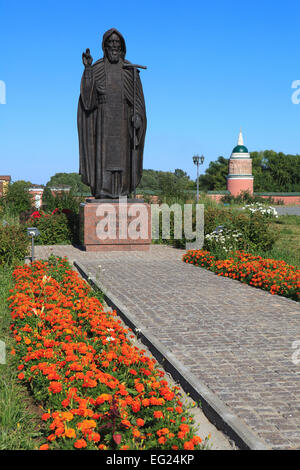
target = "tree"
x: 214, y: 177
x: 149, y: 180
x: 272, y: 171
x: 73, y: 180
x: 275, y: 172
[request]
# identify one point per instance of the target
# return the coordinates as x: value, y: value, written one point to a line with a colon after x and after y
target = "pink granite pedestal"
x: 115, y: 226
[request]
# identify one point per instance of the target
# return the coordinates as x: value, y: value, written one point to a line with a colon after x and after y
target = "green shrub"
x: 54, y: 229
x: 18, y: 199
x: 14, y: 244
x: 248, y: 198
x: 256, y: 230
x: 63, y: 200
x: 223, y: 241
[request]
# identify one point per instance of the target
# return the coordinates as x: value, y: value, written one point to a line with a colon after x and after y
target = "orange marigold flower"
x: 103, y: 397
x: 184, y: 427
x: 46, y: 416
x: 196, y: 440
x: 21, y: 376
x: 44, y: 447
x: 102, y: 447
x: 59, y: 431
x: 135, y: 406
x: 126, y: 423
x: 55, y: 387
x: 81, y: 443
x: 139, y: 387
x: 70, y: 432
x: 188, y: 445
x: 95, y: 437
x: 140, y: 422
x: 136, y: 433
x: 158, y: 414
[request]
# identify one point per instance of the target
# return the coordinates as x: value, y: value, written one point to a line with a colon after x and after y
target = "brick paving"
x: 235, y: 339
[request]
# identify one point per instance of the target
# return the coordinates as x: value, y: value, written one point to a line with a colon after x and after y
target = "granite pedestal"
x: 111, y: 225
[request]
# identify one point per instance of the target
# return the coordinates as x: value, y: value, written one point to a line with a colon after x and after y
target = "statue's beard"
x: 113, y: 56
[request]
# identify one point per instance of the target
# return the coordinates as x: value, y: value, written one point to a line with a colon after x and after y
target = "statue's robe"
x: 105, y: 131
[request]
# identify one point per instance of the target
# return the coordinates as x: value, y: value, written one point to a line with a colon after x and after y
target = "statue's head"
x: 113, y: 46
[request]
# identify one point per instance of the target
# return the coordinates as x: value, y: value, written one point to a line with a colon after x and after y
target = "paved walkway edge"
x: 215, y: 410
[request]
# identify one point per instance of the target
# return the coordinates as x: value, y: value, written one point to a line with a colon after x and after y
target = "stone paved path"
x: 235, y: 339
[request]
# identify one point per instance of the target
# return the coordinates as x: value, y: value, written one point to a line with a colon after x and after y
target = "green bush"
x: 245, y: 197
x: 18, y: 199
x: 14, y: 244
x: 56, y: 229
x: 64, y: 200
x: 254, y: 228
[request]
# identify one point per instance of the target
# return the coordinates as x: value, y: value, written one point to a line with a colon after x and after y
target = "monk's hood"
x: 109, y: 33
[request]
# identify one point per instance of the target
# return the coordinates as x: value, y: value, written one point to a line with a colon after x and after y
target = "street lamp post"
x: 32, y: 232
x: 198, y: 160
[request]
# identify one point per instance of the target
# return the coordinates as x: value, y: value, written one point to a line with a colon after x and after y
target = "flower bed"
x: 275, y: 276
x: 98, y: 391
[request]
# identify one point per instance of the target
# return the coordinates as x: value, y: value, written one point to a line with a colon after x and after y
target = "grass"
x: 287, y: 245
x: 19, y: 422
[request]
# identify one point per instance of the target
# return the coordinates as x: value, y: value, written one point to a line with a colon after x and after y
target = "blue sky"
x: 213, y: 67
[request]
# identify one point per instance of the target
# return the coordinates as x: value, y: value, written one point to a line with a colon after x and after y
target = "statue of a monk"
x: 111, y: 121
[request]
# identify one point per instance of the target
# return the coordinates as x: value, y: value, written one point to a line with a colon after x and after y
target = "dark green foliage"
x: 61, y: 200
x: 170, y: 187
x: 158, y: 181
x: 272, y: 171
x: 214, y: 177
x: 276, y: 172
x: 255, y: 228
x: 57, y: 229
x: 14, y: 244
x: 72, y: 180
x: 246, y: 198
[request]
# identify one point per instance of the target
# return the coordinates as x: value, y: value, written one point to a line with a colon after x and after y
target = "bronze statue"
x: 111, y: 121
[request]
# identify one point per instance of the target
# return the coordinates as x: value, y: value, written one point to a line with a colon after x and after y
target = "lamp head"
x: 33, y: 232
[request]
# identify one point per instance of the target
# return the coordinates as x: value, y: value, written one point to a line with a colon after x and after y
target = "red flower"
x: 55, y: 387
x: 35, y: 215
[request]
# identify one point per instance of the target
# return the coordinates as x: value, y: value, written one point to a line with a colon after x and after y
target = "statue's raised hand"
x: 87, y: 59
